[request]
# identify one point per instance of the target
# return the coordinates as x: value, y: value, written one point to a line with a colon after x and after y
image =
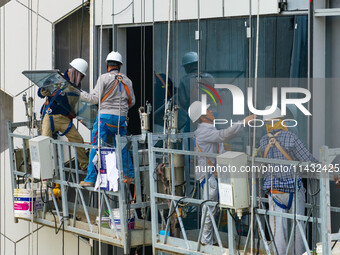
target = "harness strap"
x: 209, y: 161
x: 52, y: 126
x: 67, y: 129
x: 128, y: 92
x: 283, y: 206
x: 118, y: 79
x: 110, y: 91
x: 274, y: 142
x: 49, y: 103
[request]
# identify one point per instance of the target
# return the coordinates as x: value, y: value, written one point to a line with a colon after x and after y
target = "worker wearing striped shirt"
x: 279, y: 143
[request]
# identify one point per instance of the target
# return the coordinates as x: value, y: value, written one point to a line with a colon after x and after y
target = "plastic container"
x: 116, y: 217
x: 23, y: 204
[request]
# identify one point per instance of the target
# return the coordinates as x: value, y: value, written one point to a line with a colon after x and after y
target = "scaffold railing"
x: 76, y: 210
x: 164, y: 205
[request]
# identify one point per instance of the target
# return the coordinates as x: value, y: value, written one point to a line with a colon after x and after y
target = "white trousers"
x: 208, y: 230
x: 279, y: 225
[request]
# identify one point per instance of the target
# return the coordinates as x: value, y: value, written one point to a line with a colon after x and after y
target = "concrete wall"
x: 158, y: 10
x: 6, y: 114
x: 17, y: 53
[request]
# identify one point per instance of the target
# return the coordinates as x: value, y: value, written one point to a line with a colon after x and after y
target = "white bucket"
x: 23, y: 204
x: 116, y: 217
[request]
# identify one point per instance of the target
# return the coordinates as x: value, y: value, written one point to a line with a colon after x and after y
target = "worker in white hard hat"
x: 209, y: 140
x: 114, y: 93
x: 57, y: 113
x: 279, y: 143
x: 190, y: 87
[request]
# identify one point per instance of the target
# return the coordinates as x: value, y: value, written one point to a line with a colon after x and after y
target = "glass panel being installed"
x: 55, y: 83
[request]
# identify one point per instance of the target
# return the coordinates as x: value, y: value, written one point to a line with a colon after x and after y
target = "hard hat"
x: 114, y: 56
x: 189, y: 58
x: 275, y: 115
x: 80, y: 65
x: 195, y: 110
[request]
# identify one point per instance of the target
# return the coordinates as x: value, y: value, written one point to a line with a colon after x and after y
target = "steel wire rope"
x: 253, y: 180
x: 274, y: 220
x: 98, y: 120
x: 167, y: 72
x: 30, y: 45
x: 35, y: 65
x: 2, y: 45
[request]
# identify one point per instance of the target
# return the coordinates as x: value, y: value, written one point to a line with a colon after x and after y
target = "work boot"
x: 86, y: 184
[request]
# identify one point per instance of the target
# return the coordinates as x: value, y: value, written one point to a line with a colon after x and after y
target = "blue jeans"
x: 105, y: 131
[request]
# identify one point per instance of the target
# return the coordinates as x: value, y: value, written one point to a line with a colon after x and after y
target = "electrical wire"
x: 174, y: 210
x: 115, y: 14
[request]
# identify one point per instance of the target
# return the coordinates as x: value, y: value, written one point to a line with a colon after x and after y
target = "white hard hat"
x: 189, y: 58
x: 195, y: 110
x: 275, y: 115
x: 114, y: 56
x: 80, y: 65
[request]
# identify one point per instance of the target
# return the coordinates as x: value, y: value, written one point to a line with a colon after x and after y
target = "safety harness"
x: 208, y: 160
x: 119, y: 80
x: 48, y: 110
x: 273, y: 142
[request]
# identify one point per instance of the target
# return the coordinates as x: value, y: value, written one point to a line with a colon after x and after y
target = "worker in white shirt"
x: 114, y: 92
x: 210, y: 140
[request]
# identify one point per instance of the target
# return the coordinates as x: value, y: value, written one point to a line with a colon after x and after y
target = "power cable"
x: 30, y: 9
x: 115, y: 14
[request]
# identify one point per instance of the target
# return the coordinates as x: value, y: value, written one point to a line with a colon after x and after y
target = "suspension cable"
x: 35, y: 63
x: 98, y: 119
x: 253, y: 180
x: 167, y: 69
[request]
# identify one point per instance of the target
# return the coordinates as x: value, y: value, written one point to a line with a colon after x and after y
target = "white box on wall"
x: 41, y: 157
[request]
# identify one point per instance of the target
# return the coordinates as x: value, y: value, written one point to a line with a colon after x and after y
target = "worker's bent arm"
x: 301, y: 151
x: 133, y: 98
x: 219, y: 136
x: 92, y: 97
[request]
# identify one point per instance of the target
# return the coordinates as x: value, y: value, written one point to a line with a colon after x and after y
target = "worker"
x: 114, y: 93
x: 209, y: 140
x: 189, y: 87
x: 279, y: 143
x: 57, y: 113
